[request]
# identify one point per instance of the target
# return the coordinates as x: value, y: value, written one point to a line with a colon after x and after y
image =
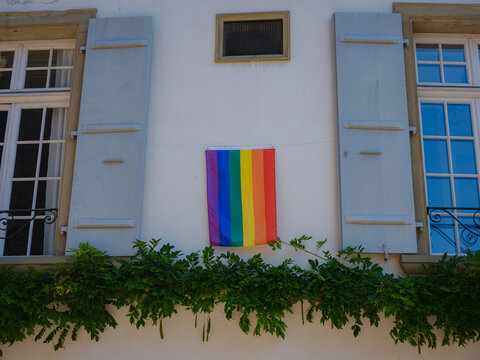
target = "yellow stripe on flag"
x: 247, y: 198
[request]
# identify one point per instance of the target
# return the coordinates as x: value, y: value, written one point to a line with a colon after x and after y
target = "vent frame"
x: 221, y: 19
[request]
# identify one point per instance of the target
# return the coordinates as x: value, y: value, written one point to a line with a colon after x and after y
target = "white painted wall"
x: 196, y: 103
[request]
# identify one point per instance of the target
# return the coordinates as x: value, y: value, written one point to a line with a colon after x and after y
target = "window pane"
x: 30, y: 124
x: 469, y: 238
x: 3, y: 125
x: 35, y: 79
x: 47, y: 194
x: 55, y: 124
x: 433, y: 119
x: 50, y: 164
x: 5, y: 79
x: 463, y: 157
x: 438, y: 192
x: 17, y: 241
x: 459, y: 120
x: 22, y: 195
x: 442, y: 236
x: 26, y: 161
x: 455, y: 74
x: 37, y: 58
x: 429, y: 73
x: 453, y: 53
x: 427, y: 52
x: 436, y: 156
x: 466, y: 192
x: 60, y: 78
x: 62, y: 57
x: 6, y: 59
x: 1, y: 153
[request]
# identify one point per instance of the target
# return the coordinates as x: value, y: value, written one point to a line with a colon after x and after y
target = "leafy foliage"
x: 346, y: 289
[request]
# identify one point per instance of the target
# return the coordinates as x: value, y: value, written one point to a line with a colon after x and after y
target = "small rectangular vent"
x: 253, y: 37
x: 260, y: 37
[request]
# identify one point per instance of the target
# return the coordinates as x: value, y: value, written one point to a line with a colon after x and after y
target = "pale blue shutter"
x: 106, y: 200
x: 375, y: 177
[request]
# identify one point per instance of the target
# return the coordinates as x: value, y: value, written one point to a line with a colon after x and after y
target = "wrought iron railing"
x: 22, y: 218
x: 468, y: 233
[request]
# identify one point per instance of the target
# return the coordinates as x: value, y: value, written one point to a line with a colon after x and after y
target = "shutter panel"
x: 375, y: 177
x: 106, y: 201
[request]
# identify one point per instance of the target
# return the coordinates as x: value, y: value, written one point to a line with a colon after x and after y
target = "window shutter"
x: 375, y: 177
x: 106, y: 200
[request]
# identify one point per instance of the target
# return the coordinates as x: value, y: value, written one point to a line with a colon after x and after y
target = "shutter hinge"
x: 413, y: 130
x: 83, y: 49
x: 406, y: 42
x: 385, y: 250
x: 74, y: 134
x: 419, y: 225
x: 63, y: 229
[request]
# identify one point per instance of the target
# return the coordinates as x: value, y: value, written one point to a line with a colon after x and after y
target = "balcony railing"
x: 22, y: 218
x: 465, y: 220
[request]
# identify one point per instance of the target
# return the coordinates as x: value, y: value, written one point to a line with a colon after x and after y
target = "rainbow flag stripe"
x: 241, y: 197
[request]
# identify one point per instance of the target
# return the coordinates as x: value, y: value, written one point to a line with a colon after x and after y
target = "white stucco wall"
x: 196, y: 103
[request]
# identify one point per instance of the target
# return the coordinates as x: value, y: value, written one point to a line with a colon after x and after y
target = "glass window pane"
x: 455, y: 74
x: 26, y: 161
x: 433, y: 119
x: 466, y: 192
x: 62, y: 57
x: 35, y: 79
x: 469, y: 237
x: 436, y: 156
x: 438, y: 192
x: 30, y: 124
x: 55, y: 124
x: 459, y: 119
x: 22, y: 195
x: 463, y: 157
x: 47, y: 194
x: 17, y: 241
x: 60, y: 78
x: 427, y: 52
x: 1, y: 153
x: 442, y: 236
x: 3, y: 125
x: 5, y: 79
x: 453, y: 53
x: 6, y: 59
x: 429, y: 73
x: 51, y: 161
x: 37, y: 58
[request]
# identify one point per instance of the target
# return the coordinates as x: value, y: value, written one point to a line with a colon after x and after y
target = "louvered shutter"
x: 106, y: 200
x: 375, y: 177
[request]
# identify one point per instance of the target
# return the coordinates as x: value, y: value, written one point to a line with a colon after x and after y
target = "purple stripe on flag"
x: 212, y: 196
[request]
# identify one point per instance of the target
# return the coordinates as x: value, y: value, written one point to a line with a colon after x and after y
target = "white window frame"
x: 453, y: 93
x: 17, y: 98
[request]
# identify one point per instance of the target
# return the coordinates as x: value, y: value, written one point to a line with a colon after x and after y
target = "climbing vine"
x: 346, y: 289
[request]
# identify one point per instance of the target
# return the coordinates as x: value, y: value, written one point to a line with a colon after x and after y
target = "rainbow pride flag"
x: 241, y: 197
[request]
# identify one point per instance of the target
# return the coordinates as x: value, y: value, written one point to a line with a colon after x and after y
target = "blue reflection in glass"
x: 468, y: 240
x: 442, y: 236
x: 436, y: 156
x: 455, y: 74
x: 466, y: 192
x: 459, y: 119
x: 433, y: 119
x: 438, y: 192
x: 427, y: 52
x: 453, y: 53
x: 429, y: 73
x: 463, y: 157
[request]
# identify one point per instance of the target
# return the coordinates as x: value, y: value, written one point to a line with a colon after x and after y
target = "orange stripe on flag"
x: 259, y: 197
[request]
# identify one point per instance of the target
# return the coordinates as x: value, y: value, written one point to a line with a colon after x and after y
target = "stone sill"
x: 23, y: 263
x: 413, y: 264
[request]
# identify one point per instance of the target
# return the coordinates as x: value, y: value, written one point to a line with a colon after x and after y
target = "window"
x: 449, y: 130
x: 40, y: 66
x: 252, y: 37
